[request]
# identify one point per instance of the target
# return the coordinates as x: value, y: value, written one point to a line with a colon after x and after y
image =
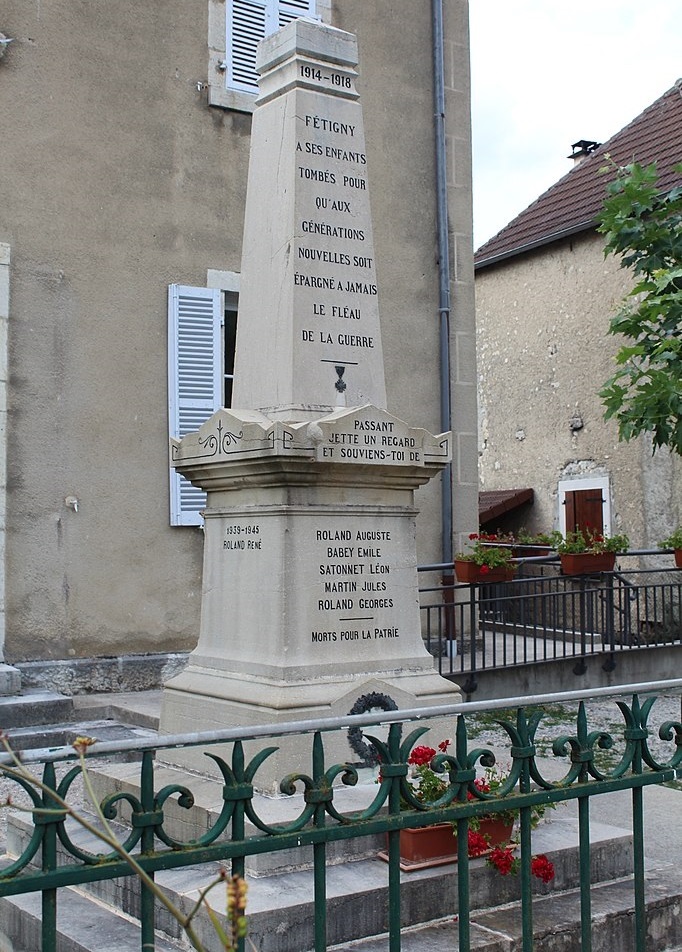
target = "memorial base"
x: 201, y: 700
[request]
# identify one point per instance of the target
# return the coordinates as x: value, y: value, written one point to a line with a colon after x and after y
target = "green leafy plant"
x: 644, y: 226
x: 590, y: 542
x: 484, y: 553
x: 673, y: 541
x: 498, y: 536
x: 430, y: 786
x: 548, y: 539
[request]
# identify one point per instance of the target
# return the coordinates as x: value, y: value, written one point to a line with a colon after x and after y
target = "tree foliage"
x: 644, y: 226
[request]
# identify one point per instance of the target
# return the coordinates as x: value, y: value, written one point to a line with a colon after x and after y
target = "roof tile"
x: 572, y: 204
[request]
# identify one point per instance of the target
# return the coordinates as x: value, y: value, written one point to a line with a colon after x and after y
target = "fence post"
x: 49, y: 860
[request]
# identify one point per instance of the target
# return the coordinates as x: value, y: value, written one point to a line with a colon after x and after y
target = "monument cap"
x: 306, y: 37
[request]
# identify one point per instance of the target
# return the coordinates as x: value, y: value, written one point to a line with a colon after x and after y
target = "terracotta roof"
x: 495, y: 502
x: 572, y: 204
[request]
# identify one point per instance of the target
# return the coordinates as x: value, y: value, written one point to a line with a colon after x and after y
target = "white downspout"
x: 10, y: 678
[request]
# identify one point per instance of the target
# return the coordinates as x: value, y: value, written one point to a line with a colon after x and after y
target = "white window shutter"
x: 247, y: 22
x: 291, y: 9
x: 194, y: 382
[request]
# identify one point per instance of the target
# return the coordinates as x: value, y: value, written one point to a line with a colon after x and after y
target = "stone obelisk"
x: 310, y: 595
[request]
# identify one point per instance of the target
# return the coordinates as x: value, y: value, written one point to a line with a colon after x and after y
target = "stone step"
x: 36, y: 717
x: 556, y: 922
x: 86, y: 925
x: 135, y: 708
x: 83, y: 925
x: 62, y: 735
x: 33, y: 707
x: 281, y: 905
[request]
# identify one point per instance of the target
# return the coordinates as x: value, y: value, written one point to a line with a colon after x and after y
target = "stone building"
x: 124, y: 149
x: 544, y: 297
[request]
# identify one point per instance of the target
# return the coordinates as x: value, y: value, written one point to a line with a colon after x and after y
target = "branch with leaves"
x: 643, y: 225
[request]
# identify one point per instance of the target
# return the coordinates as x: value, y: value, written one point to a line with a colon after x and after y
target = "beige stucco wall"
x: 543, y: 355
x: 118, y: 179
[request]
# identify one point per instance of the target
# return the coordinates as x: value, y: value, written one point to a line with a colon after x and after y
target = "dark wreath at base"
x: 364, y: 705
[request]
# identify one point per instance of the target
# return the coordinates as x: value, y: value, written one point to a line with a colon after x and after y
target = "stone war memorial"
x: 310, y: 600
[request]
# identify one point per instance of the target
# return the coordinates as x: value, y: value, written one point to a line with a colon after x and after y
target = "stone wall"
x: 121, y: 179
x: 543, y: 355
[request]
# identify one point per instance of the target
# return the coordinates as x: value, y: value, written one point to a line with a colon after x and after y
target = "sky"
x: 546, y: 73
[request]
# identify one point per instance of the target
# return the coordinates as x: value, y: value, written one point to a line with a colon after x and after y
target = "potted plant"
x: 538, y: 543
x: 484, y: 562
x: 674, y: 541
x: 489, y: 835
x: 585, y: 552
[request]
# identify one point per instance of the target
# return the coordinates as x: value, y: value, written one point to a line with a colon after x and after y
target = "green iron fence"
x: 53, y: 859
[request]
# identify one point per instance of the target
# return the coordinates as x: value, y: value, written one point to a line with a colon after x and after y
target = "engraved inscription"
x: 356, y: 584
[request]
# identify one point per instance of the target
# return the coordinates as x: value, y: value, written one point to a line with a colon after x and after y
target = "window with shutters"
x: 235, y: 29
x: 195, y: 381
x: 585, y: 504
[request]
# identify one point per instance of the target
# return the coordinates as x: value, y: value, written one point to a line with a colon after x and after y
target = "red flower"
x: 482, y: 785
x: 421, y: 756
x: 443, y: 746
x: 478, y: 844
x: 484, y: 569
x: 503, y: 859
x: 543, y: 868
x: 473, y: 535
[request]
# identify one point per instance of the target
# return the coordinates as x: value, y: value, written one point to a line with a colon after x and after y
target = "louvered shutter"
x: 194, y: 382
x: 247, y: 23
x: 291, y: 9
x: 245, y: 29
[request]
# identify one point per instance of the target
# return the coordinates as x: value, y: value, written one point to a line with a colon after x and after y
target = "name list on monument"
x: 353, y: 576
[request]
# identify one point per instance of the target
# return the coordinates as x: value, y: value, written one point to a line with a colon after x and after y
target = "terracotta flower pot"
x: 468, y: 571
x: 436, y: 845
x: 678, y: 558
x: 587, y: 563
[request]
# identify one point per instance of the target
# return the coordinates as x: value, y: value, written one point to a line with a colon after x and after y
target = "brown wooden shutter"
x: 584, y: 510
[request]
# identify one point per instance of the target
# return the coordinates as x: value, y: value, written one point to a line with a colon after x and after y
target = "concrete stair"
x: 83, y: 926
x: 102, y: 916
x: 281, y: 912
x: 556, y: 922
x: 36, y: 718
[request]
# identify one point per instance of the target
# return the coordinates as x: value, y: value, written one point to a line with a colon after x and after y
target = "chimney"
x: 582, y: 148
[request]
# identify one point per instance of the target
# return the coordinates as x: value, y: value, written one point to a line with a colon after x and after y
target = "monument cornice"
x: 358, y: 446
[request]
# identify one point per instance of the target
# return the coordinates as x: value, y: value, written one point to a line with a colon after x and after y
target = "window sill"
x: 230, y: 99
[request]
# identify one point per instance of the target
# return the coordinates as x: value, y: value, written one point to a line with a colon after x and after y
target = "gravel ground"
x: 603, y: 715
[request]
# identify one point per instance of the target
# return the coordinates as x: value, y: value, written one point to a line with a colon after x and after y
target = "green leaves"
x: 644, y: 227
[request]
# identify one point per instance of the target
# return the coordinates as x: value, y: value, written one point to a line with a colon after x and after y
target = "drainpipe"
x: 443, y: 268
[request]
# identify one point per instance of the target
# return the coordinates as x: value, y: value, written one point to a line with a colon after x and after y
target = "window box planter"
x: 471, y: 572
x: 436, y: 845
x: 678, y: 558
x: 587, y: 563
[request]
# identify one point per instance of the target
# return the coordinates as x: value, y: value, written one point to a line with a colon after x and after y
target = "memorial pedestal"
x: 310, y: 586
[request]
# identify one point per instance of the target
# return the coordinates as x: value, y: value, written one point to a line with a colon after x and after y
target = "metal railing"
x: 52, y: 859
x: 542, y: 615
